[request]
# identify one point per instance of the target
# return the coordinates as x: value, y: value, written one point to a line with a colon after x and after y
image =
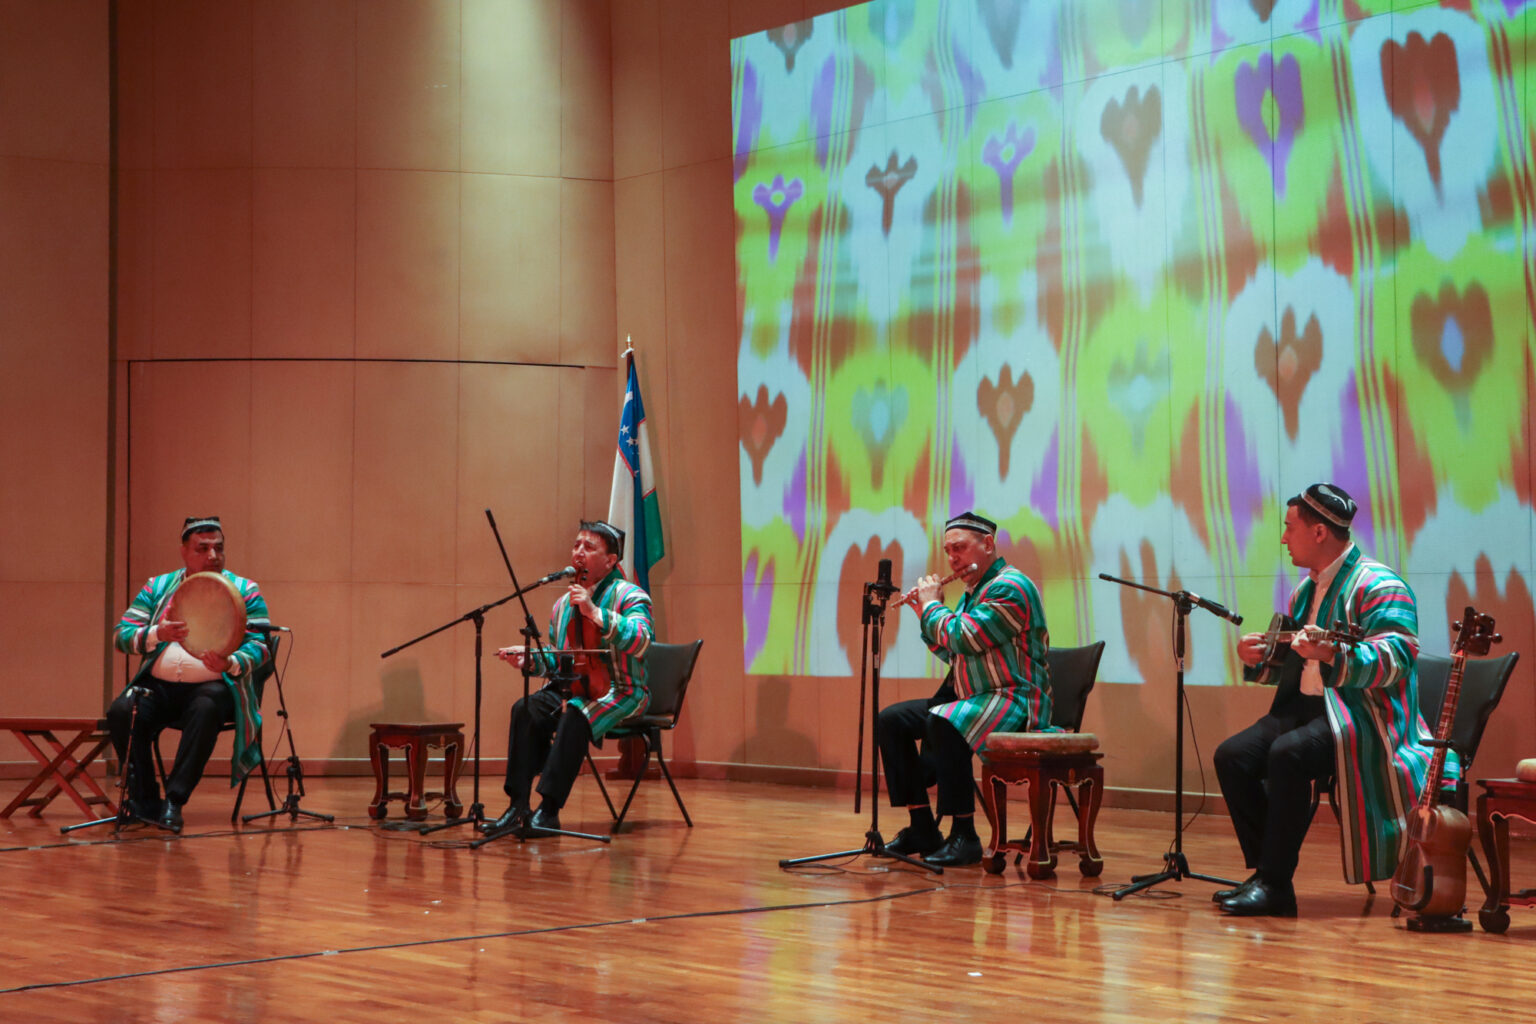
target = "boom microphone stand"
x: 295, y: 768
x: 1175, y: 864
x: 876, y: 595
x: 125, y: 815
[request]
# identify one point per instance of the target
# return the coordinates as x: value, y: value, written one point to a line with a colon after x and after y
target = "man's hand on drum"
x: 215, y: 662
x: 513, y: 656
x: 169, y: 630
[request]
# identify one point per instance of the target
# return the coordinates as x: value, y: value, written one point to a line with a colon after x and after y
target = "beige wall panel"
x: 510, y: 299
x: 749, y: 16
x: 54, y: 671
x: 587, y: 274
x: 301, y: 470
x: 639, y: 257
x: 135, y: 263
x: 316, y: 662
x: 135, y: 85
x: 416, y: 685
x: 783, y: 723
x: 586, y: 84
x: 202, y: 263
x: 190, y: 452
x: 53, y: 374
x: 407, y: 265
x: 718, y: 708
x: 53, y: 80
x: 509, y: 420
x: 593, y: 398
x: 512, y: 87
x: 636, y: 34
x: 695, y: 81
x: 203, y: 72
x: 405, y: 455
x: 408, y: 79
x: 701, y: 412
x: 305, y: 83
x: 304, y: 263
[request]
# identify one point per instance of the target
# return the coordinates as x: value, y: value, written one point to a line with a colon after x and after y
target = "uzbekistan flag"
x: 633, y: 506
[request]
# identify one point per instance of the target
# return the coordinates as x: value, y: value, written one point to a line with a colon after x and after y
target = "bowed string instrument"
x: 1431, y: 878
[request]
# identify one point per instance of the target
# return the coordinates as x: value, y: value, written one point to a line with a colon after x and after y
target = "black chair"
x: 1482, y: 686
x: 259, y: 686
x: 668, y: 669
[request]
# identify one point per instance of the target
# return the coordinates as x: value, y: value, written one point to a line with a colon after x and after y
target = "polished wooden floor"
x: 353, y: 923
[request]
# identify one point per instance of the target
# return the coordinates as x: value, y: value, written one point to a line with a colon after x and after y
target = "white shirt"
x: 1312, y: 671
x: 176, y: 665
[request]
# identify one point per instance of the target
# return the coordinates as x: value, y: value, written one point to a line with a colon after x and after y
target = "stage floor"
x: 353, y: 923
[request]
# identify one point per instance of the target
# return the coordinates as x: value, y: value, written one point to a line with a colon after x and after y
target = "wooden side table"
x: 415, y: 738
x: 60, y: 763
x: 1042, y: 761
x: 1500, y: 800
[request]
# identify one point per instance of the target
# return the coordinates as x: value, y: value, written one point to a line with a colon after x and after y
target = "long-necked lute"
x: 1431, y: 878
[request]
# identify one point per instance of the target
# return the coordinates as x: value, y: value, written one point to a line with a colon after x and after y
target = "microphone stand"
x: 1175, y: 863
x: 876, y: 595
x: 295, y: 771
x: 533, y: 647
x: 125, y: 815
x: 477, y: 615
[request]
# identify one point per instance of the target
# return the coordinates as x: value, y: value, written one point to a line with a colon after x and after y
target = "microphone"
x: 1215, y: 609
x: 883, y: 584
x: 565, y: 573
x: 266, y: 627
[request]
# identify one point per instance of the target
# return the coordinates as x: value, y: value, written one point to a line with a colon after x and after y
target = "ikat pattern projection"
x: 1123, y: 276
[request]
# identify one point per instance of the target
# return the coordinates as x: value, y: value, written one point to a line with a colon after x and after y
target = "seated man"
x: 995, y: 643
x: 1349, y: 712
x: 550, y: 729
x: 197, y: 695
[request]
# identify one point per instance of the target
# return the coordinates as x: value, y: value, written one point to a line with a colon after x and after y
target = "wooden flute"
x: 911, y: 596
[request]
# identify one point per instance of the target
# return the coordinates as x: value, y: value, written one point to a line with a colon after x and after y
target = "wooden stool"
x: 416, y: 737
x: 1042, y: 761
x: 60, y: 763
x: 1500, y: 800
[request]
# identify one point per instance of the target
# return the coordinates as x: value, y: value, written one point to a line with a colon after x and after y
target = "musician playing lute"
x: 1348, y: 711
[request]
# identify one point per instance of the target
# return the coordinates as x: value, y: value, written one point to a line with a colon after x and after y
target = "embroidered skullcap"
x: 1331, y: 503
x: 971, y: 521
x: 199, y: 524
x: 612, y: 535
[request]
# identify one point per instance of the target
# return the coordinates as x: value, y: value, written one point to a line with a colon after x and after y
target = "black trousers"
x: 547, y: 739
x: 199, y: 710
x: 1266, y: 773
x: 919, y: 749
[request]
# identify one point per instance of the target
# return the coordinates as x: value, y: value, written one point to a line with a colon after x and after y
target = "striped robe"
x: 150, y: 606
x: 995, y: 643
x: 624, y: 627
x: 1371, y: 697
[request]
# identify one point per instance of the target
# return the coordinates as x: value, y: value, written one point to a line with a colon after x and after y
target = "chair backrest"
x: 1482, y: 686
x: 668, y: 670
x: 1074, y: 670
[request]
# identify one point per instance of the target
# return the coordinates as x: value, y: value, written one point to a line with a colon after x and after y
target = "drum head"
x: 214, y: 612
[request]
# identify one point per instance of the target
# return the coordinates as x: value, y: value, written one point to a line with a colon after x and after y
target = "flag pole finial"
x: 629, y: 345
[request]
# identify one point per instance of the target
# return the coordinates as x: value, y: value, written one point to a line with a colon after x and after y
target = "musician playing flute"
x: 1348, y: 712
x: 549, y: 733
x: 995, y: 643
x: 173, y: 688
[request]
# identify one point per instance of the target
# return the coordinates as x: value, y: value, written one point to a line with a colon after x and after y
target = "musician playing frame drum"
x: 196, y: 629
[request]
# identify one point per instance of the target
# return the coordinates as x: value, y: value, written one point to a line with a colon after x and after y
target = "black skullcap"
x: 199, y: 524
x: 610, y: 533
x: 971, y: 521
x: 1331, y: 502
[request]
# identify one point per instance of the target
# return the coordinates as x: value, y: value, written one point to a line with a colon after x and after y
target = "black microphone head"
x: 883, y: 573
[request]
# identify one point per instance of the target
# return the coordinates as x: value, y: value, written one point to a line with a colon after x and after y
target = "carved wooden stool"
x: 1042, y: 761
x: 416, y: 738
x: 1501, y: 800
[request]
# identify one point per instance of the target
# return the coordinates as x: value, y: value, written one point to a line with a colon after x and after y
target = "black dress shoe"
x: 546, y: 819
x: 957, y: 852
x: 146, y: 809
x: 511, y: 819
x: 170, y: 818
x: 1225, y: 894
x: 1262, y: 900
x: 915, y: 842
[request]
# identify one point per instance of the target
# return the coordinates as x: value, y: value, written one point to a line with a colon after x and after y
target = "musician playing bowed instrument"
x: 995, y: 643
x: 548, y: 733
x: 196, y: 694
x: 1350, y: 712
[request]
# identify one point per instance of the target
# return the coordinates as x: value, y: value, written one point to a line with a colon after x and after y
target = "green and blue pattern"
x: 149, y: 607
x: 995, y: 642
x: 624, y: 627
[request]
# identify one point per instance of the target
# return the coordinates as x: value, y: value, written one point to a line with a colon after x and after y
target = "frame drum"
x: 214, y: 613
